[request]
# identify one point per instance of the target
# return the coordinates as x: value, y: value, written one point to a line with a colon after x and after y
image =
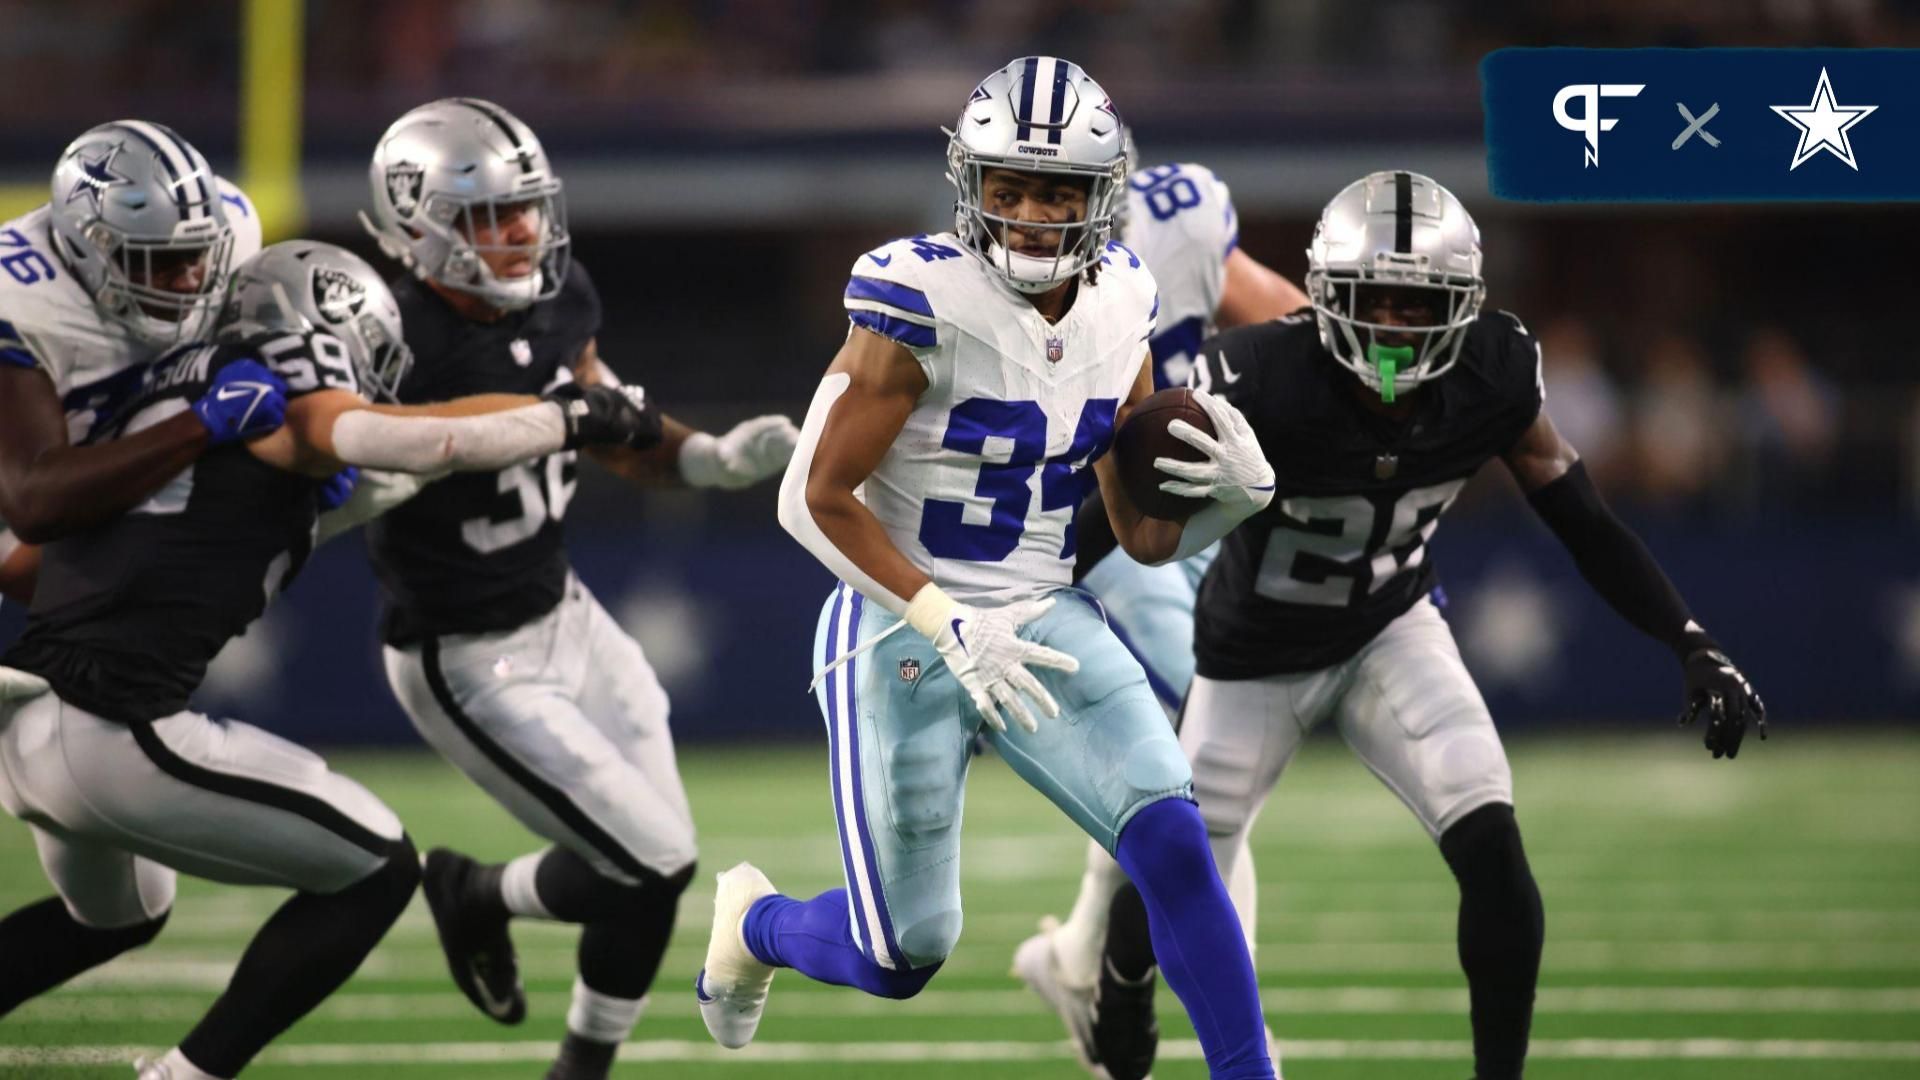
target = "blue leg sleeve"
x: 815, y: 938
x: 1196, y: 935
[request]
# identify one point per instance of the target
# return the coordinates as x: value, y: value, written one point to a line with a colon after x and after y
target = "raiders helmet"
x: 451, y: 167
x: 1395, y: 229
x: 303, y: 286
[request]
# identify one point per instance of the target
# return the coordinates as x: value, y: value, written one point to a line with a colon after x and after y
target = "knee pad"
x: 121, y: 938
x: 397, y: 878
x: 1484, y: 850
x: 898, y: 985
x: 928, y: 942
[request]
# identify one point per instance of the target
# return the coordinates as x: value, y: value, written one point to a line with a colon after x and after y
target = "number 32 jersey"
x: 480, y: 552
x: 1341, y: 551
x: 980, y: 487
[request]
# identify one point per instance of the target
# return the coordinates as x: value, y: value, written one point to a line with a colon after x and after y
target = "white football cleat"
x: 1036, y: 964
x: 732, y: 987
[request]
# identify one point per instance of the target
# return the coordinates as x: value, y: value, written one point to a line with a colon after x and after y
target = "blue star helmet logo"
x: 96, y: 173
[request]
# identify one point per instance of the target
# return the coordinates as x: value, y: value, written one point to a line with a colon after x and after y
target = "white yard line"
x: 69, y: 1006
x: 776, y: 1053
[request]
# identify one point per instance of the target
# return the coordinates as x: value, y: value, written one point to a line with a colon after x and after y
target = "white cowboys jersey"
x: 48, y: 321
x: 980, y: 489
x: 1180, y: 219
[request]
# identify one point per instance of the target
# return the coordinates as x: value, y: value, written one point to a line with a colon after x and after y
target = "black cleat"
x: 473, y: 934
x: 582, y: 1058
x: 1125, y: 1033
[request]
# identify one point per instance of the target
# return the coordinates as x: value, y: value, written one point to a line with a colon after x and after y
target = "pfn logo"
x: 1589, y: 122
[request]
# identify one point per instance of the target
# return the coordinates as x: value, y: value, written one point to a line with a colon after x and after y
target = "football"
x: 1144, y: 437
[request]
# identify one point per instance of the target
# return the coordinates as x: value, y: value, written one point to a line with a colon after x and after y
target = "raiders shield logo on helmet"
x: 336, y: 294
x: 403, y: 187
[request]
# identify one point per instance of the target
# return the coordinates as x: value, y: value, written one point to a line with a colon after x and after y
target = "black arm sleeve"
x: 1616, y: 562
x: 1094, y: 537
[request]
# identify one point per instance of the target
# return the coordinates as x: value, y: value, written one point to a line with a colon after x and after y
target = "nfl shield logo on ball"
x: 1056, y: 348
x: 909, y: 669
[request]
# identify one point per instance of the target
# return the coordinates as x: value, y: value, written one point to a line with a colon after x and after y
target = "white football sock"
x: 517, y: 889
x: 1081, y: 940
x: 179, y: 1068
x: 597, y: 1016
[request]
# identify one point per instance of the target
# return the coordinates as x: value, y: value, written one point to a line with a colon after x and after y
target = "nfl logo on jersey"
x: 522, y: 352
x: 909, y: 669
x: 1056, y: 348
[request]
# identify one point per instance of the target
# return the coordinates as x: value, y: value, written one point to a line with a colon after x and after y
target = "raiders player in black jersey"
x: 122, y: 782
x: 504, y: 661
x: 1374, y: 409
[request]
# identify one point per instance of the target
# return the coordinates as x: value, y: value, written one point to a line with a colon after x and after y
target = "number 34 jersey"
x: 1341, y: 551
x: 479, y: 552
x: 980, y: 487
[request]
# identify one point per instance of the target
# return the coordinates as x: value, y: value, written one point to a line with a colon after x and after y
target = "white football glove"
x: 749, y: 453
x: 1235, y: 472
x: 17, y: 685
x: 984, y: 650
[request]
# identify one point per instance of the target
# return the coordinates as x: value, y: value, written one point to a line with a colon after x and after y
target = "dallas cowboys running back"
x: 129, y: 256
x: 1375, y: 410
x: 979, y: 361
x: 505, y: 662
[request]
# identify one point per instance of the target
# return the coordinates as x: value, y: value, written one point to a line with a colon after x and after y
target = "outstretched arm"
x: 746, y: 454
x: 1618, y: 565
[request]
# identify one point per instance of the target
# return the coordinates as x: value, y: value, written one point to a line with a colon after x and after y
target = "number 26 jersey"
x: 1342, y: 549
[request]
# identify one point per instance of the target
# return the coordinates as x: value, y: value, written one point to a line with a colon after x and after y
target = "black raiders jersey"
x: 479, y: 552
x: 126, y: 616
x: 1341, y: 551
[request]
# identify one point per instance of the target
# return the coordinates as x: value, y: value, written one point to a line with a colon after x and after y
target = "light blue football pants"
x: 900, y: 731
x: 1151, y: 608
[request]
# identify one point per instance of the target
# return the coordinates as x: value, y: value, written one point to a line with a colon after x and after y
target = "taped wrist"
x: 1616, y: 562
x: 928, y: 610
x: 700, y: 464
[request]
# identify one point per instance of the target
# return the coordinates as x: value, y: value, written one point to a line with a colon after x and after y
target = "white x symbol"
x: 1696, y: 126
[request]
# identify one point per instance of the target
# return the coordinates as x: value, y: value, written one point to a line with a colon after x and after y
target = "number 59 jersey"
x: 1341, y: 550
x: 980, y: 488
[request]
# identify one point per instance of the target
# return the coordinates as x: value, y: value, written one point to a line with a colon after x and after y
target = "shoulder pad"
x: 888, y: 288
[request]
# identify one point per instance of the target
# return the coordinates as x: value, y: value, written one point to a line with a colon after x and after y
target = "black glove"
x: 606, y: 416
x: 1717, y: 690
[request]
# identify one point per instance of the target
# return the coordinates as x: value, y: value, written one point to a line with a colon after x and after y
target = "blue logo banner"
x: 1703, y: 125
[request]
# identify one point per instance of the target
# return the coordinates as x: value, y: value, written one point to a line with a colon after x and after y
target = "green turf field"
x: 1758, y: 920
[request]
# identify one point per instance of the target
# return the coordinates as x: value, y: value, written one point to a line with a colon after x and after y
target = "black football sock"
x: 1502, y: 927
x: 1129, y: 938
x: 45, y: 946
x: 304, y: 952
x: 619, y: 957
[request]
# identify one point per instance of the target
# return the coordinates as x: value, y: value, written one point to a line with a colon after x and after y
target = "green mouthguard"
x: 1388, y: 360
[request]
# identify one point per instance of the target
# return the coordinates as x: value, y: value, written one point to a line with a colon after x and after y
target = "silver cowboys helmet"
x: 136, y: 215
x: 1039, y: 114
x: 1397, y: 229
x: 306, y: 287
x: 451, y: 168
